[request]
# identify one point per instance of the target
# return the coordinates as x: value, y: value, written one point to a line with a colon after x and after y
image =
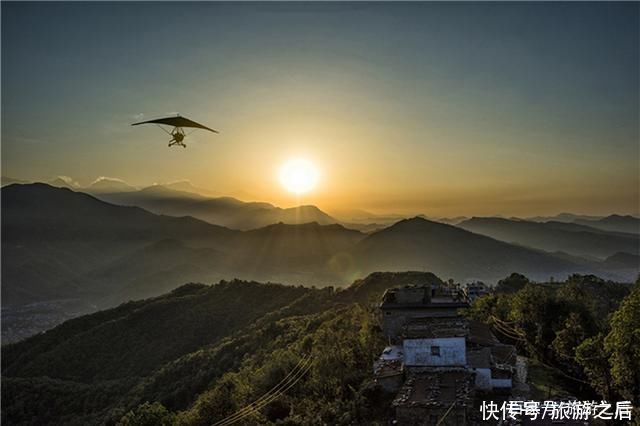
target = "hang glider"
x: 178, y: 123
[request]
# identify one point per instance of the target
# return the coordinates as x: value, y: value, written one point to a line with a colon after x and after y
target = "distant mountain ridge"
x: 571, y: 238
x: 181, y: 198
x: 615, y: 223
x: 563, y: 217
x: 61, y: 244
x: 39, y: 210
x: 114, y: 185
x: 224, y: 211
x: 6, y: 180
x: 57, y: 225
x: 108, y: 185
x: 52, y: 237
x: 450, y: 251
x: 186, y: 186
x: 74, y: 233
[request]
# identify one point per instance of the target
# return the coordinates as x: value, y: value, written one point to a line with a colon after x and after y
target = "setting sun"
x: 298, y: 176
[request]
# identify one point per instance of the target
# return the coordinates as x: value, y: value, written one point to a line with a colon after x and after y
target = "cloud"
x: 110, y: 179
x: 69, y: 181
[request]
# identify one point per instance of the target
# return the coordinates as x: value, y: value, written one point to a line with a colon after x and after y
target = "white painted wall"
x: 417, y: 352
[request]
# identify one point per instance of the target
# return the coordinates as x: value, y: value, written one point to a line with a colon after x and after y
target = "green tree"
x: 534, y: 310
x: 147, y: 414
x: 591, y: 357
x: 512, y: 283
x: 569, y: 338
x: 623, y: 346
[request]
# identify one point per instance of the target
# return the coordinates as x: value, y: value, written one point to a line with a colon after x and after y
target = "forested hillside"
x: 585, y: 328
x: 143, y: 335
x: 202, y: 353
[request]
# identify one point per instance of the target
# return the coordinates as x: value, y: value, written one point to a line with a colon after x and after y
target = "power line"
x: 285, y: 384
x: 446, y: 414
x: 267, y: 394
x: 252, y: 409
x: 536, y: 350
x: 509, y: 332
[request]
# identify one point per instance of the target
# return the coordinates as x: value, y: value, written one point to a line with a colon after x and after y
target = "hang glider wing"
x: 177, y: 121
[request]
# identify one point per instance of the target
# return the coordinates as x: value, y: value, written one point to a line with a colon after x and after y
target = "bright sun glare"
x: 298, y: 176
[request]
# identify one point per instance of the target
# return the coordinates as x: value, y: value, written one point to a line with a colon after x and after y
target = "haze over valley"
x: 68, y: 252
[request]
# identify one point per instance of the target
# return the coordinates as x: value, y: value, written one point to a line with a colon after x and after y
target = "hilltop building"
x: 401, y: 305
x: 438, y: 360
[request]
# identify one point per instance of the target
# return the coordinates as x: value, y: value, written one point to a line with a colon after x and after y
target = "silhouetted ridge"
x: 614, y: 222
x: 421, y: 225
x: 449, y: 251
x: 572, y: 238
x: 39, y: 211
x: 623, y: 260
x: 305, y: 226
x: 225, y: 211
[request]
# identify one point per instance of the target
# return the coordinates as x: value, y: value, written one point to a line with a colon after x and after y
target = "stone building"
x: 388, y: 370
x: 435, y: 352
x: 438, y: 357
x: 401, y: 305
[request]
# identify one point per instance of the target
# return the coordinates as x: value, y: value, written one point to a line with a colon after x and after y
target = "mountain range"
x: 572, y: 238
x: 6, y: 180
x: 614, y: 223
x: 224, y: 211
x: 563, y: 217
x: 59, y: 244
x: 98, y: 186
x: 162, y: 196
x: 79, y: 244
x: 449, y: 251
x: 53, y: 238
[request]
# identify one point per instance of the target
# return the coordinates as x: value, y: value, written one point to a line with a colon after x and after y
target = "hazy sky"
x: 443, y: 109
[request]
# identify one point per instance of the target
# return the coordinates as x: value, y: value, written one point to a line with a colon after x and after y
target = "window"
x: 435, y: 350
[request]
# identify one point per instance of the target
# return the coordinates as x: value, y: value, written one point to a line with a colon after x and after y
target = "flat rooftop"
x: 433, y: 327
x: 419, y: 297
x: 437, y: 388
x: 430, y: 305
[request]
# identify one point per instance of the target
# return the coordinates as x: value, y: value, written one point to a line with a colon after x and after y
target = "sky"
x: 443, y: 109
